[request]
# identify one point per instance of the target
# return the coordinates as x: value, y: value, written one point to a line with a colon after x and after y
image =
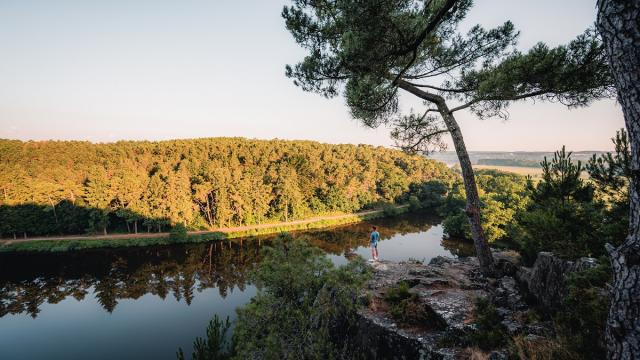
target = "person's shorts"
x: 374, y: 245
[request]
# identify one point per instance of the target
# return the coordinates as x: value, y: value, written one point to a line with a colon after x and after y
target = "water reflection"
x: 27, y: 281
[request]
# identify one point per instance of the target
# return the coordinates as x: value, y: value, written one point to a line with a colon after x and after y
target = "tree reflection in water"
x: 29, y: 280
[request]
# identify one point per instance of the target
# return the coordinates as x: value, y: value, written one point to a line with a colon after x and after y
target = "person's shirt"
x: 375, y: 236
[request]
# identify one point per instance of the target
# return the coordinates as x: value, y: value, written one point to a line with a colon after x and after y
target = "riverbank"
x: 70, y: 243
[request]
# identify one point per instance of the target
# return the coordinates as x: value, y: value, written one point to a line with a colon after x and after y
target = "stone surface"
x: 446, y: 288
x: 546, y: 280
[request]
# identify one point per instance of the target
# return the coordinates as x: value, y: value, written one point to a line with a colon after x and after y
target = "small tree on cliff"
x: 370, y: 49
x: 618, y: 23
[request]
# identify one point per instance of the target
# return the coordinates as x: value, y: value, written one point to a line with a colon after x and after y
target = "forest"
x: 62, y: 187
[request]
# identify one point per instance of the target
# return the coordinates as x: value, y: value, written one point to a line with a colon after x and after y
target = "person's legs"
x: 375, y: 250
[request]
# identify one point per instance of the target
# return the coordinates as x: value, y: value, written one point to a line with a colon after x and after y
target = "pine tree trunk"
x: 472, y: 209
x: 135, y: 227
x: 619, y: 25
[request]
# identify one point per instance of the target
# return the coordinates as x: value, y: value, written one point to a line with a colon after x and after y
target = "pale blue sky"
x: 161, y: 69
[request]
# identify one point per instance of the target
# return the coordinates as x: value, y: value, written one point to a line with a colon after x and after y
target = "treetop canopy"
x: 368, y: 49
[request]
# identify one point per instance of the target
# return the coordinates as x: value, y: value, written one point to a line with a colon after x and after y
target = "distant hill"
x: 508, y: 158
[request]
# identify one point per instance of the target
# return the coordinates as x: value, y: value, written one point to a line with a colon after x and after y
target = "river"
x: 134, y: 303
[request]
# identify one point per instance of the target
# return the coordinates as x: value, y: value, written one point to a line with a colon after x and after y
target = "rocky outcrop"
x: 546, y: 281
x: 446, y: 289
x: 445, y: 292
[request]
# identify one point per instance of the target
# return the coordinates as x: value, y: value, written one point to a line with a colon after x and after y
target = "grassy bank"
x: 192, y: 237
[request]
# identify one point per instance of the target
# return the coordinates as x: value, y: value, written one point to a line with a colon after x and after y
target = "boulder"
x: 446, y: 289
x: 547, y: 279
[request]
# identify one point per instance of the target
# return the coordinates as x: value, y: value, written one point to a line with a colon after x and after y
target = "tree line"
x: 61, y: 187
x: 564, y: 212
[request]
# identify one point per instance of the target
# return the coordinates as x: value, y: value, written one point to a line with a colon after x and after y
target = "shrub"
x: 490, y: 333
x: 580, y: 323
x: 398, y: 298
x: 502, y: 195
x: 305, y: 307
x: 390, y: 210
x: 414, y: 203
x: 216, y: 346
x: 405, y: 307
x: 178, y: 233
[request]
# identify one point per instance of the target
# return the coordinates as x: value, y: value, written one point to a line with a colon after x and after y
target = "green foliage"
x: 429, y: 195
x: 216, y: 345
x: 405, y: 307
x: 414, y: 203
x: 54, y: 188
x: 502, y: 195
x: 390, y: 210
x: 611, y: 174
x: 568, y: 229
x: 561, y: 180
x: 563, y: 216
x: 371, y: 49
x: 580, y: 323
x: 178, y: 233
x: 304, y: 308
x: 398, y: 298
x: 489, y: 333
x: 574, y: 74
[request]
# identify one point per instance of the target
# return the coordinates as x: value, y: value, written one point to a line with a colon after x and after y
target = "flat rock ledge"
x: 447, y: 289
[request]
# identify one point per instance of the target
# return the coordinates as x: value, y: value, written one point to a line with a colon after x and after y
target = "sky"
x: 104, y: 71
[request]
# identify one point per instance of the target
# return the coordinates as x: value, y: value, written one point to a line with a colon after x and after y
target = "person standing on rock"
x: 373, y: 239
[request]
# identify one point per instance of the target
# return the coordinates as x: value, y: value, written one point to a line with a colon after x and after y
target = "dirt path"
x: 166, y: 234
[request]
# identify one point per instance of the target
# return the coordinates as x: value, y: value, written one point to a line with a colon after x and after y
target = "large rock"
x: 446, y: 289
x: 547, y: 279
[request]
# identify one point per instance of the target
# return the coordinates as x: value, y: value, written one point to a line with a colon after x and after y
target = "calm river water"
x: 137, y: 303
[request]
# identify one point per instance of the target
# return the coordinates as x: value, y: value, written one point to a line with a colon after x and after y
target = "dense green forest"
x: 57, y: 187
x: 562, y: 212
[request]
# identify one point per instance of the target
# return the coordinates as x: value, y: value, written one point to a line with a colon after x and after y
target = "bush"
x: 178, y: 233
x: 429, y: 195
x: 305, y: 307
x: 398, y: 297
x: 490, y: 333
x: 405, y: 307
x: 414, y: 203
x: 563, y: 216
x: 502, y: 196
x: 390, y: 210
x: 581, y: 322
x: 216, y: 346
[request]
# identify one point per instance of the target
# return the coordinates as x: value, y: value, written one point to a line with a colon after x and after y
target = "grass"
x: 405, y: 307
x: 81, y: 244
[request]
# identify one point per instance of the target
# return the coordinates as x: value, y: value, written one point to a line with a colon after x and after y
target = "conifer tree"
x: 372, y: 50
